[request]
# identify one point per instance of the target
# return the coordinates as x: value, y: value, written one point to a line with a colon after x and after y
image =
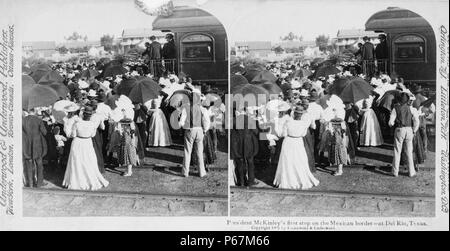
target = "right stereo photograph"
x: 333, y: 112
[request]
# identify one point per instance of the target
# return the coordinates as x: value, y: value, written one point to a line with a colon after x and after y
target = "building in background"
x: 349, y: 38
x: 40, y: 49
x: 258, y: 49
x: 295, y: 46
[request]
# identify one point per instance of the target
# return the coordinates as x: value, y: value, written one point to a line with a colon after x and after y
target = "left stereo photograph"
x: 123, y: 110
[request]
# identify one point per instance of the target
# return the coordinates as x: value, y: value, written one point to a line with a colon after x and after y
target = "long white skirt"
x: 82, y: 172
x: 370, y: 130
x: 293, y: 169
x: 159, y: 132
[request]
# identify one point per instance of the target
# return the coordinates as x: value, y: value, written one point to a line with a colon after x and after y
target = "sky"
x: 52, y: 20
x: 245, y: 20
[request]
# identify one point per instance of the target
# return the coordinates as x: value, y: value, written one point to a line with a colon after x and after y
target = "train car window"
x: 409, y: 48
x: 197, y: 47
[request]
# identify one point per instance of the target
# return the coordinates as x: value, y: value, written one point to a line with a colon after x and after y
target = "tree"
x: 107, y: 42
x: 278, y: 50
x: 76, y: 37
x: 63, y: 50
x: 291, y: 37
x: 322, y: 42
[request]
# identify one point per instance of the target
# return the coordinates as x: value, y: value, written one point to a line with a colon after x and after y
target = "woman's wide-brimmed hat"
x: 72, y: 108
x: 337, y: 121
x: 126, y: 121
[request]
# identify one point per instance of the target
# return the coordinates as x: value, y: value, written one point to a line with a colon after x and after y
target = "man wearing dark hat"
x: 406, y: 123
x: 418, y: 93
x: 153, y: 53
x: 368, y: 51
x: 381, y: 53
x: 169, y: 53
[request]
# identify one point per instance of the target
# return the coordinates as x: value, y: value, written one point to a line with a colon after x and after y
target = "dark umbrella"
x: 38, y: 96
x: 428, y: 102
x: 389, y: 99
x: 39, y: 73
x: 179, y: 96
x: 144, y: 90
x: 250, y: 74
x: 351, y: 90
x: 236, y: 67
x: 271, y: 88
x: 125, y: 87
x: 301, y: 73
x: 325, y: 71
x: 50, y: 78
x: 111, y: 101
x: 236, y: 80
x: 250, y: 93
x: 89, y: 73
x: 61, y: 89
x: 27, y: 82
x: 41, y: 66
x: 26, y: 69
x: 264, y: 76
x: 113, y: 71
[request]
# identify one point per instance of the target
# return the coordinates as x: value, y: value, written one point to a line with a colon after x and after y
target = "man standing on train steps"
x: 368, y: 57
x: 153, y: 53
x: 169, y: 54
x: 381, y: 53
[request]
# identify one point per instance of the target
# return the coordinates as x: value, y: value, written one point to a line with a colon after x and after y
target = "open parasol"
x: 50, y: 78
x: 89, y: 73
x: 61, y: 89
x: 264, y: 76
x: 180, y: 96
x: 236, y: 80
x: 250, y: 74
x: 38, y: 74
x: 388, y: 100
x: 27, y: 82
x: 125, y: 86
x: 325, y: 71
x: 273, y: 89
x: 352, y: 89
x: 301, y: 73
x: 38, y: 96
x: 144, y: 90
x: 113, y: 71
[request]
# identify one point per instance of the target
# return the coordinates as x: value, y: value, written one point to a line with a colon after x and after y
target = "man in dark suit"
x: 169, y: 52
x: 153, y: 53
x: 368, y: 56
x: 381, y: 53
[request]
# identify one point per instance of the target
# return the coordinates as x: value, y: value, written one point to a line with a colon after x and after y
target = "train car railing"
x: 370, y: 67
x: 158, y: 67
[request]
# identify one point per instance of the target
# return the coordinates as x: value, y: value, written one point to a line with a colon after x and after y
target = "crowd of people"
x: 95, y: 127
x: 316, y: 113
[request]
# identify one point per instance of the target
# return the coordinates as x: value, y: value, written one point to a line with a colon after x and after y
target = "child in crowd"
x: 128, y: 146
x: 60, y: 143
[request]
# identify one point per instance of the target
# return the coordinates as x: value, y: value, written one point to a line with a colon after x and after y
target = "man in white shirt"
x: 406, y: 120
x: 195, y: 122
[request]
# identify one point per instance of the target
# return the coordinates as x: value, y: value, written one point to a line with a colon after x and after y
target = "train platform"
x: 156, y: 188
x: 365, y: 189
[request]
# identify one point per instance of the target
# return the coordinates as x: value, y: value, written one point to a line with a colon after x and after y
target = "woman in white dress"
x: 82, y: 172
x: 159, y: 132
x: 293, y: 169
x: 370, y: 131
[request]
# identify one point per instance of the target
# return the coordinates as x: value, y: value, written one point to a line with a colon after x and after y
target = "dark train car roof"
x: 186, y: 18
x: 395, y: 18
